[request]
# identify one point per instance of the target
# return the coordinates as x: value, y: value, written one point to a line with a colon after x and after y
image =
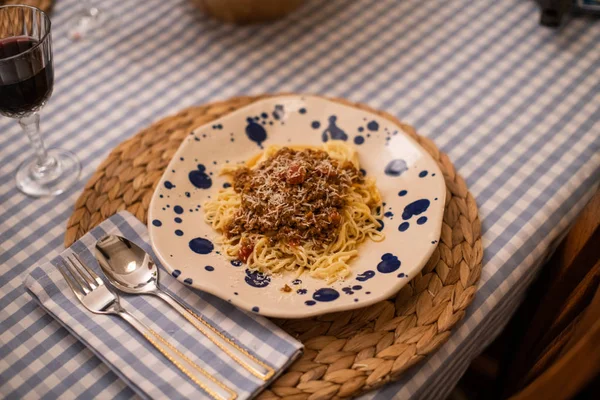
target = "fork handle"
x: 197, y: 374
x: 240, y: 355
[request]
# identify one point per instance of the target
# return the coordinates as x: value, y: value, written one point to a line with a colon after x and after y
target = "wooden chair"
x: 577, y: 363
x: 559, y: 351
x: 551, y: 347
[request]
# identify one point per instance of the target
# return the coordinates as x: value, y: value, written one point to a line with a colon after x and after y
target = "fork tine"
x: 78, y: 275
x: 90, y: 271
x: 75, y: 287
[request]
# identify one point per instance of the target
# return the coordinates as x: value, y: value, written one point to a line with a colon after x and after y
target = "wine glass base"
x: 55, y: 180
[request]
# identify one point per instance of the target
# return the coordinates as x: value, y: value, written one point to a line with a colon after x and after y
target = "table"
x: 516, y: 106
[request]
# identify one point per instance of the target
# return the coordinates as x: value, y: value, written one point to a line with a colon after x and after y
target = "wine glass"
x: 26, y: 81
x: 89, y: 21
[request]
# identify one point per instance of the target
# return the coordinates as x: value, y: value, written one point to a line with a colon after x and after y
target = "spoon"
x: 130, y: 269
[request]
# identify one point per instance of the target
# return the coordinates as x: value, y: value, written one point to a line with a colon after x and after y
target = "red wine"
x: 25, y: 83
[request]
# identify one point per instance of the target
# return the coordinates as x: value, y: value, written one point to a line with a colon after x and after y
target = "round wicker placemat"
x: 346, y: 353
x: 44, y: 5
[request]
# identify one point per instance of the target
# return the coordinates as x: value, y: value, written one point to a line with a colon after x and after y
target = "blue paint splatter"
x: 356, y: 300
x: 178, y: 209
x: 236, y: 263
x: 310, y: 302
x: 301, y: 291
x: 176, y: 273
x: 257, y: 279
x: 315, y: 124
x: 302, y: 110
x: 188, y: 281
x: 201, y: 246
x: 360, y: 129
x: 388, y: 214
x: 279, y: 112
x: 389, y: 263
x: 365, y: 276
x: 402, y: 193
x: 415, y: 208
x: 381, y: 225
x: 422, y: 220
x: 209, y: 268
x: 373, y: 126
x: 401, y: 275
x: 333, y: 131
x: 422, y: 174
x: 396, y: 167
x: 326, y: 294
x: 359, y: 140
x: 255, y: 309
x: 356, y: 287
x: 296, y: 282
x: 178, y: 220
x: 156, y: 222
x: 161, y: 196
x: 226, y: 185
x: 255, y: 132
x: 179, y: 232
x: 169, y: 185
x: 403, y: 226
x: 187, y: 194
x: 199, y: 178
x: 347, y: 290
x: 363, y: 172
x: 264, y: 115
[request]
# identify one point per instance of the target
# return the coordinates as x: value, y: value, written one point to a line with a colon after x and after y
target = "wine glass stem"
x: 31, y: 126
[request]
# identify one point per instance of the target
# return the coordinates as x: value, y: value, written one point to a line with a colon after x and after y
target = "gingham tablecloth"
x: 516, y: 106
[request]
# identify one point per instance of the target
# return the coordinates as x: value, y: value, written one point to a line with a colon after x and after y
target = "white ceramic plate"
x: 409, y: 180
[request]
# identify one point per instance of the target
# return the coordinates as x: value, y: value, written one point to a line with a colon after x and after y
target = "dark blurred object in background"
x: 247, y: 11
x: 553, y: 12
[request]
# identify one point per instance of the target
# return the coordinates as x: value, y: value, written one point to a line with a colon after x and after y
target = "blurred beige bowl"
x: 247, y: 11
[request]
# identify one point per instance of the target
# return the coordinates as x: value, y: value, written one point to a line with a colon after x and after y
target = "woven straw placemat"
x: 44, y: 5
x: 347, y: 353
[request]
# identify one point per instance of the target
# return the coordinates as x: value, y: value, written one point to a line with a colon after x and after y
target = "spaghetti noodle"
x: 297, y: 208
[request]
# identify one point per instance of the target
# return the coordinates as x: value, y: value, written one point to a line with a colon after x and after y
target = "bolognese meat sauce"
x: 294, y: 197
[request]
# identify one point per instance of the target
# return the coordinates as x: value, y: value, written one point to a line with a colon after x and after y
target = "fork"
x: 94, y: 295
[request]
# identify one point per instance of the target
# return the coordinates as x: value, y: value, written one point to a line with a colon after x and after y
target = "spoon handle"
x: 197, y: 374
x: 240, y: 355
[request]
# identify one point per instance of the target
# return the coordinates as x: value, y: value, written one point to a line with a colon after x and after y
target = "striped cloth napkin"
x: 130, y: 356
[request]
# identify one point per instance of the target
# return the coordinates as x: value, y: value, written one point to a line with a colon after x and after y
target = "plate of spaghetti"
x: 296, y: 206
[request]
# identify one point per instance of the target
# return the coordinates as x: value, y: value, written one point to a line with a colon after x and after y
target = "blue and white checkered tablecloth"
x: 516, y: 106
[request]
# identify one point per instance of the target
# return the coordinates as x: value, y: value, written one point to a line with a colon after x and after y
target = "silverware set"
x: 130, y: 269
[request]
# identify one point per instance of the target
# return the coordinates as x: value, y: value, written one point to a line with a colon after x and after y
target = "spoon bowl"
x: 126, y: 265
